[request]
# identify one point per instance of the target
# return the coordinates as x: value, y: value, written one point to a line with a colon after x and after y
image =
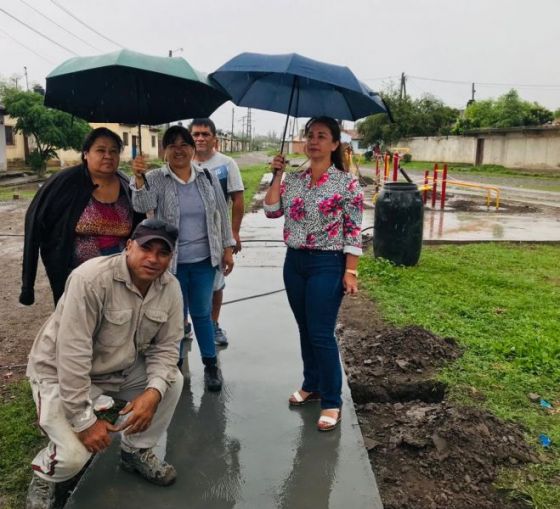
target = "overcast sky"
x: 498, y: 44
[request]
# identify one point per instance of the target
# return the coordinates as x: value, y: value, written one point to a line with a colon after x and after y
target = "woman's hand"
x: 278, y: 166
x: 139, y: 169
x: 227, y: 261
x: 350, y: 283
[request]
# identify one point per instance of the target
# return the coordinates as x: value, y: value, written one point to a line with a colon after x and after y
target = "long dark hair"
x: 98, y: 133
x: 334, y: 128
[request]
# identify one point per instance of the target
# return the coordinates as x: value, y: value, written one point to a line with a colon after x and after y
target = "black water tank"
x: 399, y: 221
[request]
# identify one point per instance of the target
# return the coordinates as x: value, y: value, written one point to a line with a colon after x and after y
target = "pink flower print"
x: 331, y: 206
x: 332, y: 229
x: 282, y: 188
x: 353, y: 185
x: 358, y: 201
x: 297, y: 210
x: 350, y: 228
x: 286, y: 234
x: 323, y: 178
x: 310, y: 241
x: 320, y: 181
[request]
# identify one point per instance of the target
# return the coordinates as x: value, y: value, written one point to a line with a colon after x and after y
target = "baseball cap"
x: 151, y: 229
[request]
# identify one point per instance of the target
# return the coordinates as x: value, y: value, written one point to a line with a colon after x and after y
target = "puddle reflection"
x: 207, y: 459
x: 314, y: 465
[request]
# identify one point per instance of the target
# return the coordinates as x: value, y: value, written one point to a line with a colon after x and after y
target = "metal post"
x: 425, y: 193
x: 443, y: 186
x: 395, y: 166
x: 434, y: 187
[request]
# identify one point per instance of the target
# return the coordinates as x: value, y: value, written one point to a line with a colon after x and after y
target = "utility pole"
x: 472, y: 92
x: 232, y: 120
x: 26, y: 79
x: 402, y: 93
x: 249, y: 128
x: 243, y: 133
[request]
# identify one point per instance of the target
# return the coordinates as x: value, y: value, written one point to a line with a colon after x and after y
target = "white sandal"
x: 328, y: 423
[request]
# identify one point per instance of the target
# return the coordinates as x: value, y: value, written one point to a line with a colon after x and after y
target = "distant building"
x: 15, y: 143
x: 535, y: 147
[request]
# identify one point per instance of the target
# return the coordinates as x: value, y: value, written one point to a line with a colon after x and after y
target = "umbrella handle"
x: 146, y: 185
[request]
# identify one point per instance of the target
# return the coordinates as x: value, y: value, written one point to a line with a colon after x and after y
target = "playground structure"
x: 429, y: 183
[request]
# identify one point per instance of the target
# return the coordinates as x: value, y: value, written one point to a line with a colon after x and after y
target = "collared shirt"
x: 163, y: 198
x: 100, y: 325
x: 326, y: 216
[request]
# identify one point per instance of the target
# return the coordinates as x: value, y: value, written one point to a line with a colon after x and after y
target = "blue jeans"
x: 313, y: 282
x: 197, y: 280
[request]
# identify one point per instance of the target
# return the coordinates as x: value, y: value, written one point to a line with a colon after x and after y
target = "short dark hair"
x: 206, y: 122
x: 99, y: 132
x: 177, y: 131
x: 334, y: 128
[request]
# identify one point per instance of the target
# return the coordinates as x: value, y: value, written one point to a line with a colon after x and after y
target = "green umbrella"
x: 132, y: 88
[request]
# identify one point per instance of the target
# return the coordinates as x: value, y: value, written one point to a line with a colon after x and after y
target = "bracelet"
x: 352, y: 271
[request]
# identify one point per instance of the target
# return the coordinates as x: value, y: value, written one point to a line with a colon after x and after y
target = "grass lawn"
x: 20, y: 440
x: 502, y: 303
x: 252, y: 176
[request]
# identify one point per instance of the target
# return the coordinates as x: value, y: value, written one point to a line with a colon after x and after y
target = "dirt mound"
x: 438, y: 455
x: 386, y: 364
x: 427, y: 453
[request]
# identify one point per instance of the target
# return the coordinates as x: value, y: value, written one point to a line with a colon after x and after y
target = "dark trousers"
x: 313, y: 281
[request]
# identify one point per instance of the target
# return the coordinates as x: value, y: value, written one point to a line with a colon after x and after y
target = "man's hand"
x: 227, y: 261
x: 237, y: 247
x: 143, y: 409
x: 96, y: 438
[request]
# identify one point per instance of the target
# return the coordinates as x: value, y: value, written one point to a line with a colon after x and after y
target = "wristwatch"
x: 352, y: 271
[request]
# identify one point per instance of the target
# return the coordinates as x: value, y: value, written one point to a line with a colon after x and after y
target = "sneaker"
x: 41, y: 494
x: 188, y: 332
x: 220, y: 338
x: 149, y: 466
x: 213, y: 378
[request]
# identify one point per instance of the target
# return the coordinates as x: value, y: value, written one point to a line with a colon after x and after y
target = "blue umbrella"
x: 297, y: 86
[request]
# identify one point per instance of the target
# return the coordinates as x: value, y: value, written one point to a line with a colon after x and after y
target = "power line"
x: 486, y: 84
x: 26, y: 47
x: 37, y: 32
x: 59, y: 26
x: 86, y: 25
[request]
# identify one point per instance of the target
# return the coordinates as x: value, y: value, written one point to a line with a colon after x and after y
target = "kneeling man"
x: 115, y: 333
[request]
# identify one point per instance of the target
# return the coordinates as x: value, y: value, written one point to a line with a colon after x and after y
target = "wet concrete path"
x: 245, y: 448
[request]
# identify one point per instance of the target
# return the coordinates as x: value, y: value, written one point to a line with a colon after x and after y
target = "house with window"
x: 16, y: 146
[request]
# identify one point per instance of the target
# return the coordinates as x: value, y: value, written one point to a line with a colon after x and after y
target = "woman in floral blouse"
x: 323, y: 207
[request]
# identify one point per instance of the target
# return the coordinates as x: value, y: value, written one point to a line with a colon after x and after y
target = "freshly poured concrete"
x: 244, y: 447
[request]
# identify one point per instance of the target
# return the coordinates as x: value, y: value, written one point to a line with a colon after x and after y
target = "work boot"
x: 212, y: 375
x: 149, y: 466
x: 220, y: 338
x: 41, y: 494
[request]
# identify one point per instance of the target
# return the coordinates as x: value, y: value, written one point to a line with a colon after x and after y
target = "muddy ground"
x: 426, y: 452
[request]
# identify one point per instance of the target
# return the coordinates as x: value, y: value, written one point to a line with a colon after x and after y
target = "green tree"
x: 426, y: 116
x: 51, y: 129
x: 508, y: 110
